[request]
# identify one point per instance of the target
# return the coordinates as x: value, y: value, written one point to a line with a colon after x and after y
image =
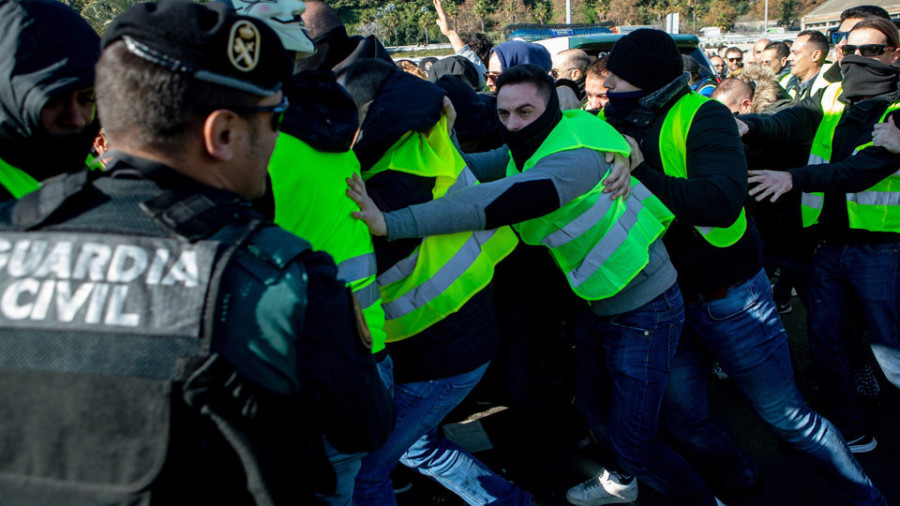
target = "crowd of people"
x: 246, y: 257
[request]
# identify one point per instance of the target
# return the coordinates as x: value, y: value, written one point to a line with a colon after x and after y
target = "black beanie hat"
x: 210, y: 42
x: 646, y: 58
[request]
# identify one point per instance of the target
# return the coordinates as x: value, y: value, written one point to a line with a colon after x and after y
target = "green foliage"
x: 99, y: 13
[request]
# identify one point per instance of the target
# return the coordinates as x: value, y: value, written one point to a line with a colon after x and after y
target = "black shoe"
x: 785, y: 308
x: 862, y: 444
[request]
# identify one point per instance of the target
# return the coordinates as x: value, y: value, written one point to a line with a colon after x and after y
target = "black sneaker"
x: 785, y: 308
x: 862, y: 444
x: 866, y: 382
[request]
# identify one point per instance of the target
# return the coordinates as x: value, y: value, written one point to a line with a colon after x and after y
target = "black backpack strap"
x: 56, y: 193
x: 192, y: 212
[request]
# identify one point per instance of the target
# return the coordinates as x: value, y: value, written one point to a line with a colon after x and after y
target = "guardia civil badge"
x: 243, y: 46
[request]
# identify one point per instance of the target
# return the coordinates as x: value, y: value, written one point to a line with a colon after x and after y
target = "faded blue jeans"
x: 631, y: 354
x: 744, y: 333
x: 346, y: 465
x: 420, y: 407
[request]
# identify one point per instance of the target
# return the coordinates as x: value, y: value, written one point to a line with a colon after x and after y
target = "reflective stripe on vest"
x: 309, y: 187
x: 16, y: 181
x: 599, y: 244
x: 444, y: 271
x: 785, y: 81
x: 673, y: 153
x: 876, y: 209
x: 820, y: 151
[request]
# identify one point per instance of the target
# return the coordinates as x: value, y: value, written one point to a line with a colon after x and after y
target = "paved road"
x: 542, y: 450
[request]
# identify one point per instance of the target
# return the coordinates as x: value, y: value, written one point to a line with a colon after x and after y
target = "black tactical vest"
x: 109, y: 390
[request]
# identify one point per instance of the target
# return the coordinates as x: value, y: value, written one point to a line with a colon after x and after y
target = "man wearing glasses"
x: 734, y: 58
x: 850, y: 202
x: 184, y: 347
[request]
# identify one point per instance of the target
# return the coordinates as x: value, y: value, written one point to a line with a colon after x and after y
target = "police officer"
x: 161, y: 340
x: 46, y: 92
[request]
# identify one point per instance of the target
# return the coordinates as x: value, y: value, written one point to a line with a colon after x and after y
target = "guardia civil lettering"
x: 86, y: 282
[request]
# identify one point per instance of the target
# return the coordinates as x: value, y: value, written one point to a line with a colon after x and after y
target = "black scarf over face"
x: 624, y: 103
x: 866, y: 77
x: 523, y: 143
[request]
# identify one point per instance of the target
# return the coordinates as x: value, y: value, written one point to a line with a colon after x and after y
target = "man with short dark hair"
x: 189, y: 356
x: 47, y: 119
x: 807, y: 57
x: 775, y: 56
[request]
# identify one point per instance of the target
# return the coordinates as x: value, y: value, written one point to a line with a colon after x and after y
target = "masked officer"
x: 46, y: 93
x: 160, y: 340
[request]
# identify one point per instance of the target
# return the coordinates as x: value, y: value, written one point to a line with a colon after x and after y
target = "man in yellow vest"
x: 549, y: 183
x: 850, y: 197
x: 46, y: 93
x: 694, y: 163
x: 436, y: 292
x: 312, y: 158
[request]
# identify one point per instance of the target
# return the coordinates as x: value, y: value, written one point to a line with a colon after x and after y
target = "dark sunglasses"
x: 732, y: 60
x: 865, y: 49
x: 837, y: 37
x: 278, y: 111
x: 488, y: 76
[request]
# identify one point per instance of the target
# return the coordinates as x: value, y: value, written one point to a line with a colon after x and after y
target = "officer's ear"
x: 218, y: 134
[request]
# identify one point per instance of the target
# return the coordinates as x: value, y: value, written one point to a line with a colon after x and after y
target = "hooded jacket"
x: 47, y: 50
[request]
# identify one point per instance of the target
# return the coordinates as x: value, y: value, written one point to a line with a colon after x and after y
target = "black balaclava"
x: 524, y: 142
x: 624, y: 103
x: 866, y: 77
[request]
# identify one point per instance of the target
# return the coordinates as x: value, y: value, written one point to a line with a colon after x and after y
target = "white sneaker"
x: 605, y: 488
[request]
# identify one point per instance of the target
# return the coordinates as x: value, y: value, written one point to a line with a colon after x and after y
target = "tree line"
x: 409, y: 22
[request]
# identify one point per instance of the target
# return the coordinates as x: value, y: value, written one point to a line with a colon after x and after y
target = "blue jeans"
x: 744, y: 333
x: 415, y: 443
x: 347, y: 465
x: 839, y: 272
x: 631, y: 353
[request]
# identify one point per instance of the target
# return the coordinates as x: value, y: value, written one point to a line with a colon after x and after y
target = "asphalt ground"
x: 546, y: 449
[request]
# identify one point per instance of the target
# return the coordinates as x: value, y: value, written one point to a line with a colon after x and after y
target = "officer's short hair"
x: 528, y: 74
x: 365, y: 78
x: 154, y: 107
x: 781, y: 49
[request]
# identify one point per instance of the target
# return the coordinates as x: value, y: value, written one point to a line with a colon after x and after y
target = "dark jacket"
x: 463, y: 340
x: 713, y: 193
x: 46, y: 49
x: 278, y: 323
x: 847, y: 173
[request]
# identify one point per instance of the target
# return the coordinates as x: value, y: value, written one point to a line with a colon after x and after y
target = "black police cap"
x: 209, y: 42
